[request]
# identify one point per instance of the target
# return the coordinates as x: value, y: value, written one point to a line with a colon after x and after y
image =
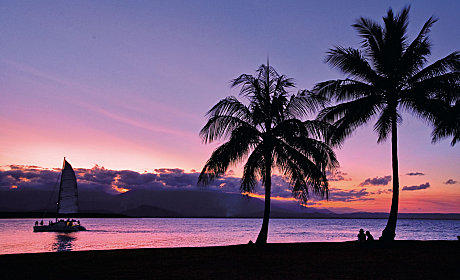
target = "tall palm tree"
x: 384, y: 77
x: 267, y: 133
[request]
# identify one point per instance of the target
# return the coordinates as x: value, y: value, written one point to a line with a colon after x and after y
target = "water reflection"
x: 116, y: 233
x: 63, y: 242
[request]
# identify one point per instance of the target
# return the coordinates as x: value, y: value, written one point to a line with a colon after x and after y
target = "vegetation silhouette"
x: 268, y: 133
x: 386, y: 76
x: 446, y: 121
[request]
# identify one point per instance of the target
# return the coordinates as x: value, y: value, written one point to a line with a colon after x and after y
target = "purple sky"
x: 126, y: 84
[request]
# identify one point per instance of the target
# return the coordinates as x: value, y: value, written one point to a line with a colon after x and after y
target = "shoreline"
x: 315, y: 260
x: 349, y: 216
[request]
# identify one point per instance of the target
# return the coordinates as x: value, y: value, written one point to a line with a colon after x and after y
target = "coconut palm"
x: 267, y: 134
x: 384, y: 78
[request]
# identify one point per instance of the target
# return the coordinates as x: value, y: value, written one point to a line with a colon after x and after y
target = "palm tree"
x: 267, y: 133
x: 385, y: 77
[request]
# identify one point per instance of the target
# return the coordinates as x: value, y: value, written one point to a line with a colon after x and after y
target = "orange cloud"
x: 115, y: 187
x: 273, y: 197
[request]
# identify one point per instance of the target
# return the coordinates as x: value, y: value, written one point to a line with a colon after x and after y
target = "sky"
x: 126, y: 85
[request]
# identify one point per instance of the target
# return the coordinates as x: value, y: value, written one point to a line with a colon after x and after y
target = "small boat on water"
x: 67, y: 204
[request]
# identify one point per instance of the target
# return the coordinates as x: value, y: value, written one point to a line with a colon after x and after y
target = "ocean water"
x: 16, y: 235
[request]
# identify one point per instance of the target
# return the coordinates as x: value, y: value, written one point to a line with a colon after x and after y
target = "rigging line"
x: 51, y: 196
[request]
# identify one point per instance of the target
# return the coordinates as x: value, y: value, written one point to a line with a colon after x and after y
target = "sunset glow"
x: 115, y: 187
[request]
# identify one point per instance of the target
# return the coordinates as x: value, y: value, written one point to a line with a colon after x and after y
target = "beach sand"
x: 334, y: 260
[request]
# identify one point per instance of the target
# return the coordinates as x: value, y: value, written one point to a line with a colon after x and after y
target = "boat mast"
x: 60, y: 188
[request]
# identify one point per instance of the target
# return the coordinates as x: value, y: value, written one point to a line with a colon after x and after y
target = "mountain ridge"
x: 179, y: 204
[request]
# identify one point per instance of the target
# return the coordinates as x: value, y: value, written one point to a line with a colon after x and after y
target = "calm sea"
x: 16, y: 235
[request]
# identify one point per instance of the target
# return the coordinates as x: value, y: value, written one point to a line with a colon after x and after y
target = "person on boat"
x: 41, y: 222
x: 369, y: 236
x: 36, y: 223
x: 361, y: 236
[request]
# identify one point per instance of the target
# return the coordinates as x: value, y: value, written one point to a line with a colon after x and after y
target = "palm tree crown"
x: 385, y: 76
x: 267, y: 133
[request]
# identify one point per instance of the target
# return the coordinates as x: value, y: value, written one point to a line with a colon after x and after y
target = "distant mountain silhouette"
x: 156, y: 203
x: 176, y: 203
x: 150, y: 211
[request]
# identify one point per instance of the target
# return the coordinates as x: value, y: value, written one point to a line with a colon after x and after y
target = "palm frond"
x: 323, y: 131
x: 346, y: 117
x: 423, y: 107
x: 415, y: 55
x: 230, y: 106
x: 253, y: 170
x: 343, y: 90
x: 350, y: 61
x: 305, y: 175
x: 383, y: 124
x: 446, y: 122
x: 440, y: 67
x: 304, y: 104
x: 221, y: 127
x: 446, y: 87
x: 372, y: 34
x: 243, y: 139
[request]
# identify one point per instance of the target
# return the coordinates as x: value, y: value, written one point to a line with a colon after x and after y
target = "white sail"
x: 68, y: 193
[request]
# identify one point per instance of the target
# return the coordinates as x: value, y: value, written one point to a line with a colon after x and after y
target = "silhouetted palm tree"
x: 384, y: 77
x: 267, y: 133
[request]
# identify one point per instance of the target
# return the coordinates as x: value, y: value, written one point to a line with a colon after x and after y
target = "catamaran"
x: 67, y: 204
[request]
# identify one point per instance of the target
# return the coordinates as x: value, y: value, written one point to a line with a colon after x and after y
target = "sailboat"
x: 67, y: 204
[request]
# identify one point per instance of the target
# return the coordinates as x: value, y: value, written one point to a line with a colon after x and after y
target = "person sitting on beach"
x: 361, y: 236
x: 369, y: 236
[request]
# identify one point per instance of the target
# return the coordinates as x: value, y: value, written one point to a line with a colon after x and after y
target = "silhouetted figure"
x: 36, y: 223
x: 369, y: 236
x: 41, y: 222
x: 361, y: 236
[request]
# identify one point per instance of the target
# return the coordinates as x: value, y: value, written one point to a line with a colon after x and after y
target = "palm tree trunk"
x: 263, y: 234
x: 389, y: 232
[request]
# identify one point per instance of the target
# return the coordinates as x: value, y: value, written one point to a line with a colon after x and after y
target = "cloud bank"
x: 337, y: 176
x: 415, y: 188
x: 100, y: 179
x: 349, y: 195
x: 450, y: 182
x: 111, y: 181
x: 415, y: 174
x: 377, y: 181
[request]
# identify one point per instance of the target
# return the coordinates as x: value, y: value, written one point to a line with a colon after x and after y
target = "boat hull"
x: 58, y: 228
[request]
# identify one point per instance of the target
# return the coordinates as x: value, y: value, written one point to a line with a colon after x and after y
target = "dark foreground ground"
x: 344, y: 260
